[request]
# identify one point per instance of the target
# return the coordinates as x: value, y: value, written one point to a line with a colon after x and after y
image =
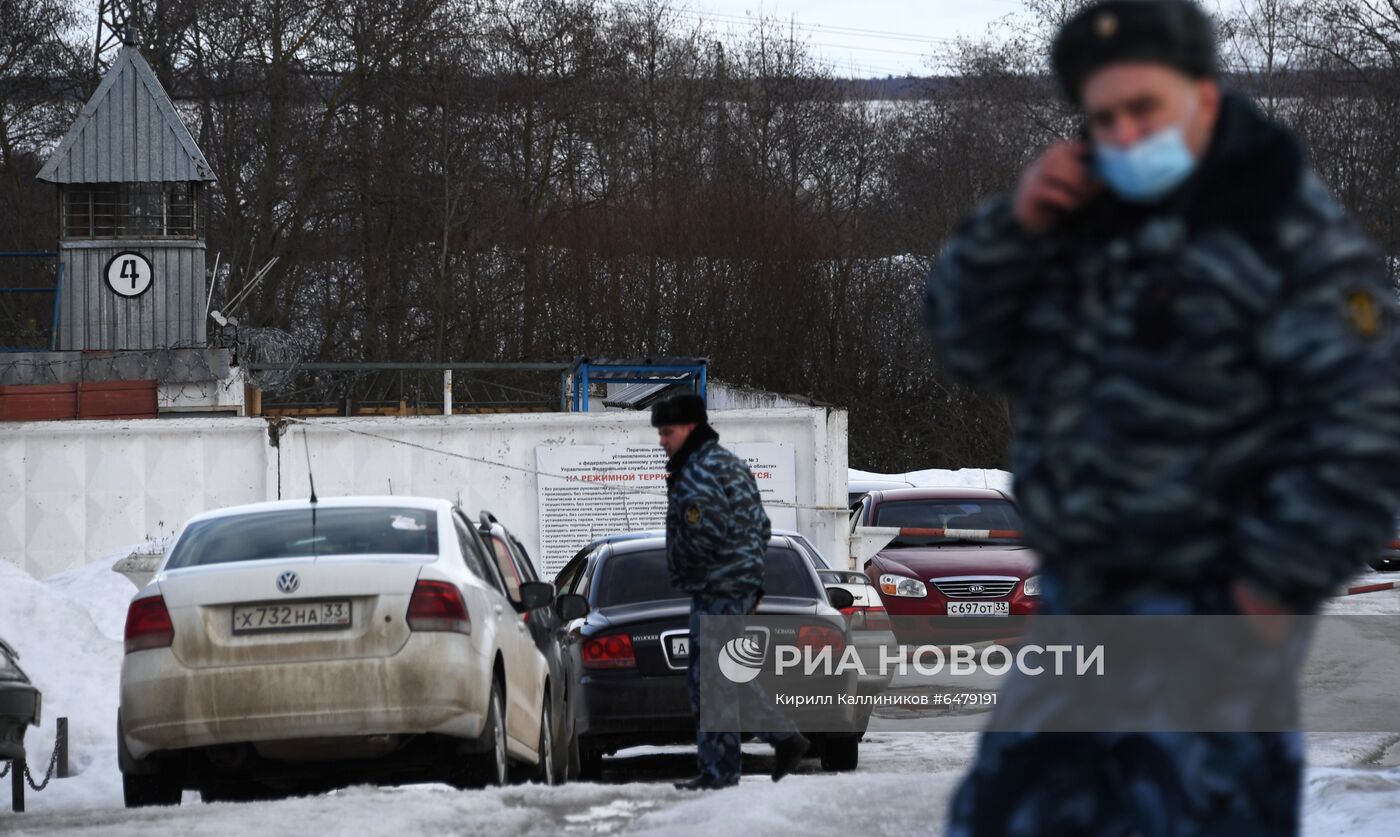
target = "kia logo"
x: 288, y: 582
x: 971, y: 588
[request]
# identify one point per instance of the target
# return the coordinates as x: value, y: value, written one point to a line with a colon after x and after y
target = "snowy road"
x: 69, y: 626
x: 635, y: 797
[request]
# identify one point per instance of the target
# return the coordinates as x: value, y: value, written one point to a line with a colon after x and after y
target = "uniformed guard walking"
x: 1201, y: 347
x: 716, y: 536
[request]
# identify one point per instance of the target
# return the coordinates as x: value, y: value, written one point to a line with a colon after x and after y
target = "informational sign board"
x: 588, y: 491
x: 129, y: 274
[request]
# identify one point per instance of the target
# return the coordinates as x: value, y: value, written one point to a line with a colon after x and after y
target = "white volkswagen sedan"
x: 305, y: 645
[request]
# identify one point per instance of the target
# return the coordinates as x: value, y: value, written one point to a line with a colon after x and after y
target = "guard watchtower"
x: 131, y: 218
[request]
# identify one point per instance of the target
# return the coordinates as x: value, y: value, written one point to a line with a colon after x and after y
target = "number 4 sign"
x: 129, y: 274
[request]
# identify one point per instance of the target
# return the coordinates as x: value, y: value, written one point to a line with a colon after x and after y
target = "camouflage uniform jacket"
x: 1206, y: 390
x: 716, y: 529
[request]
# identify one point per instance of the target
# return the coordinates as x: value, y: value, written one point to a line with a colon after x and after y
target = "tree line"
x: 527, y: 180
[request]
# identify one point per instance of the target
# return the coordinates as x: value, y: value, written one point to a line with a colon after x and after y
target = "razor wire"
x: 269, y: 346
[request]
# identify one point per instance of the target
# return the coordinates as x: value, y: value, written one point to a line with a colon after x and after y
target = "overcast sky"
x: 872, y: 37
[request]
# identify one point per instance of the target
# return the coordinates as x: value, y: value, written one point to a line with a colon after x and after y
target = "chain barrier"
x: 58, y: 764
x: 60, y: 741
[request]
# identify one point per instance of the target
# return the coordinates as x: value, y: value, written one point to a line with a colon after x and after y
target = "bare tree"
x: 539, y: 179
x: 40, y: 87
x: 1260, y: 43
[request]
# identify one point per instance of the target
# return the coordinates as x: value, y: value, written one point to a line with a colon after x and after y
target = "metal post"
x: 57, y: 298
x: 62, y: 744
x: 17, y: 786
x: 447, y: 392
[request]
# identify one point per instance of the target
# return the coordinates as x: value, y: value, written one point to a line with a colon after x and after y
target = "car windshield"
x: 9, y: 669
x: 293, y: 533
x: 631, y: 577
x: 953, y: 513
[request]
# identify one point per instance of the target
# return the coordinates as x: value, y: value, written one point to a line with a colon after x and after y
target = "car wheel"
x: 493, y: 766
x: 573, y: 760
x: 563, y: 771
x: 545, y: 772
x: 590, y: 763
x: 840, y: 752
x: 160, y: 788
x: 145, y: 782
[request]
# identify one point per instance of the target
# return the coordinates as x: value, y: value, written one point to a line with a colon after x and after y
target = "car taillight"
x: 148, y: 625
x: 438, y: 606
x: 821, y: 636
x: 867, y: 618
x: 609, y: 652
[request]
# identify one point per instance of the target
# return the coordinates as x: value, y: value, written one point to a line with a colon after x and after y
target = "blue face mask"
x: 1149, y: 169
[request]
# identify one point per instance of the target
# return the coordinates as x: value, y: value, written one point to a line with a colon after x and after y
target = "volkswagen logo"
x: 288, y: 582
x: 974, y: 589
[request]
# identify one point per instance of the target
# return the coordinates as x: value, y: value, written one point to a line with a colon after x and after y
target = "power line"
x: 793, y: 23
x: 826, y: 29
x: 345, y: 426
x: 937, y: 58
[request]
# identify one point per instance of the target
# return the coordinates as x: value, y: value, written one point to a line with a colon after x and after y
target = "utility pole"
x: 113, y: 18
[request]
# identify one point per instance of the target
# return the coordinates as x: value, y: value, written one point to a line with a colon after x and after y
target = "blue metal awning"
x: 653, y: 376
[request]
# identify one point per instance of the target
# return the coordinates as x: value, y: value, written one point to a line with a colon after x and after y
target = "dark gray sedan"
x: 631, y: 654
x: 19, y: 704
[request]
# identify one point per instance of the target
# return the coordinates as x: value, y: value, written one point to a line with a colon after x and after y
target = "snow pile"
x: 939, y: 478
x: 77, y: 666
x: 101, y: 591
x: 1350, y: 801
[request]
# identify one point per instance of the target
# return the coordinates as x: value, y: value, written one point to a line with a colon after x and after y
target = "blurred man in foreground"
x: 1201, y: 348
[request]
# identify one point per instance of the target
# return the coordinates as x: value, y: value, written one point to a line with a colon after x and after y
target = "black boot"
x: 703, y: 782
x: 787, y: 753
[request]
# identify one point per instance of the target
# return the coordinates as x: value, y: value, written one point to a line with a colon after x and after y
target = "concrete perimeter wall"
x: 74, y: 491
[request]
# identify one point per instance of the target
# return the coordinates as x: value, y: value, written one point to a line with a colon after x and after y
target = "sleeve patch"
x: 1364, y: 313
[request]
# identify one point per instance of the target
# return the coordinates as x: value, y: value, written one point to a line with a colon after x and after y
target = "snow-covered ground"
x: 68, y: 628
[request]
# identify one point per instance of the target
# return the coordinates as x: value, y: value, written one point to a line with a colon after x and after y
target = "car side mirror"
x: 536, y: 594
x: 840, y: 597
x: 571, y: 606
